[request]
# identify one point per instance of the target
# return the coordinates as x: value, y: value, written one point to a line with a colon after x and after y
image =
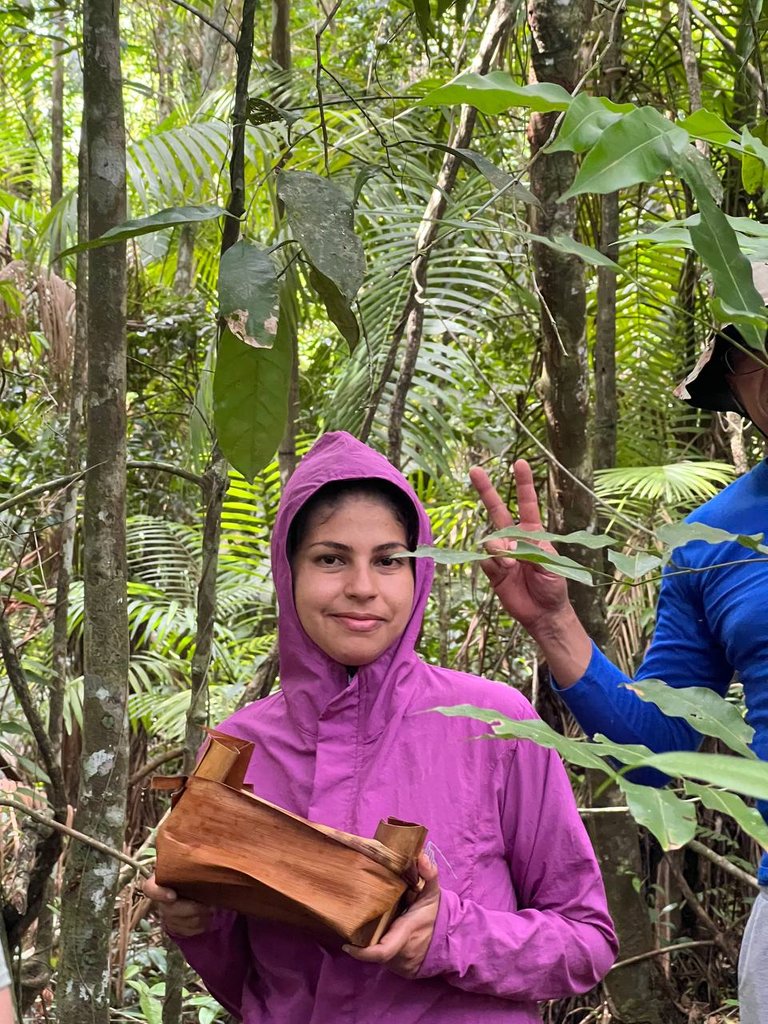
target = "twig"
x: 74, y: 834
x: 586, y: 811
x: 664, y: 949
x: 156, y: 762
x: 319, y: 84
x: 50, y: 485
x: 166, y: 467
x: 20, y: 687
x: 719, y: 938
x: 208, y: 21
x: 723, y: 862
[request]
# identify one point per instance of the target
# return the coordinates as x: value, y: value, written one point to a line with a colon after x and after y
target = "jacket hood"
x: 310, y: 680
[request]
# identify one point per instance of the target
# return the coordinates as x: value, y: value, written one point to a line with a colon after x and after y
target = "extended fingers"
x: 497, y: 510
x: 527, y: 499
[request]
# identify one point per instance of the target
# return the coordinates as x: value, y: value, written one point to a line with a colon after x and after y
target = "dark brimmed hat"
x: 705, y: 387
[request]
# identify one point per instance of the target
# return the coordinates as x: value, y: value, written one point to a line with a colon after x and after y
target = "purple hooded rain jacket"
x: 522, y: 914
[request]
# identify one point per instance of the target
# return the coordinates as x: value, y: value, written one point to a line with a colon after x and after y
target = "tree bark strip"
x: 90, y: 879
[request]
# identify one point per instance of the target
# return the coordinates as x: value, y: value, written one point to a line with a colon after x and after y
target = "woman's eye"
x: 390, y: 563
x: 328, y: 560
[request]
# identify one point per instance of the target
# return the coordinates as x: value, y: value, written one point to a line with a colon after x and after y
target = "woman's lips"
x: 359, y: 624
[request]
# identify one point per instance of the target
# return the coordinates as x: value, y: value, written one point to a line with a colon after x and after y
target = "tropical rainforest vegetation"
x: 465, y: 232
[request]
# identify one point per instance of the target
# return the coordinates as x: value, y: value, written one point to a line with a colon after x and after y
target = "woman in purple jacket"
x: 513, y: 910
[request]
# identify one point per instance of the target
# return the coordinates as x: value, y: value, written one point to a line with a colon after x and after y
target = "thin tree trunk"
x: 413, y: 314
x: 57, y: 120
x: 604, y: 356
x: 90, y: 878
x: 60, y: 653
x: 280, y: 49
x: 215, y: 482
x: 558, y: 32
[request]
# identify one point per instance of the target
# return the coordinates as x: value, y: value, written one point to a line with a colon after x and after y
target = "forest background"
x: 311, y: 230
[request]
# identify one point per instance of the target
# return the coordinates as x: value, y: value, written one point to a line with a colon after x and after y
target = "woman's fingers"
x: 157, y: 893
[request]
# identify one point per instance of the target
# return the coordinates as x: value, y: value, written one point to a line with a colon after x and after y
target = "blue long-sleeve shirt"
x: 711, y: 624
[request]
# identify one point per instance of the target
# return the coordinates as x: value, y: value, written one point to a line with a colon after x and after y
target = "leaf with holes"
x: 670, y: 819
x: 702, y: 708
x: 321, y: 217
x: 250, y: 398
x: 248, y: 294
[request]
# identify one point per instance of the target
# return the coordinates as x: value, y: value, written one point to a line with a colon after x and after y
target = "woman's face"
x: 353, y: 599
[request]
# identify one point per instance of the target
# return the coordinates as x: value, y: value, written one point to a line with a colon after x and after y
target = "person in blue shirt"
x: 711, y: 623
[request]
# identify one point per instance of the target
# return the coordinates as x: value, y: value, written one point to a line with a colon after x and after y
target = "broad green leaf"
x: 584, y: 122
x: 591, y: 256
x: 754, y: 162
x: 626, y: 753
x: 716, y: 243
x: 748, y: 818
x: 159, y: 221
x: 496, y: 92
x: 639, y: 147
x: 675, y: 535
x: 703, y: 124
x: 248, y: 294
x: 749, y: 777
x: 250, y: 398
x: 702, y: 708
x: 582, y: 537
x: 634, y: 566
x: 321, y: 217
x: 670, y: 819
x: 579, y: 752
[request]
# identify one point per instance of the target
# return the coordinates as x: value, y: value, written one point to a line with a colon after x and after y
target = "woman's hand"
x: 405, y: 943
x: 179, y: 917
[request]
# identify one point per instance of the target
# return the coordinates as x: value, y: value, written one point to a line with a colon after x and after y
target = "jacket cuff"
x: 438, y: 958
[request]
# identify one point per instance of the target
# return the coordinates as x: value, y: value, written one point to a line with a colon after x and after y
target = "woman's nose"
x: 361, y: 582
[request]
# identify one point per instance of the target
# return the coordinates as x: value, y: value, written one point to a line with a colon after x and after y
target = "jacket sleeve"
x: 683, y: 652
x: 560, y: 940
x: 222, y: 957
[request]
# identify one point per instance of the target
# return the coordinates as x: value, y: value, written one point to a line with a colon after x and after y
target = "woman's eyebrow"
x: 390, y: 545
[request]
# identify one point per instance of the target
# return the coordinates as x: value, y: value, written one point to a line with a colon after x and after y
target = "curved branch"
x: 50, y: 485
x: 164, y: 467
x: 74, y: 834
